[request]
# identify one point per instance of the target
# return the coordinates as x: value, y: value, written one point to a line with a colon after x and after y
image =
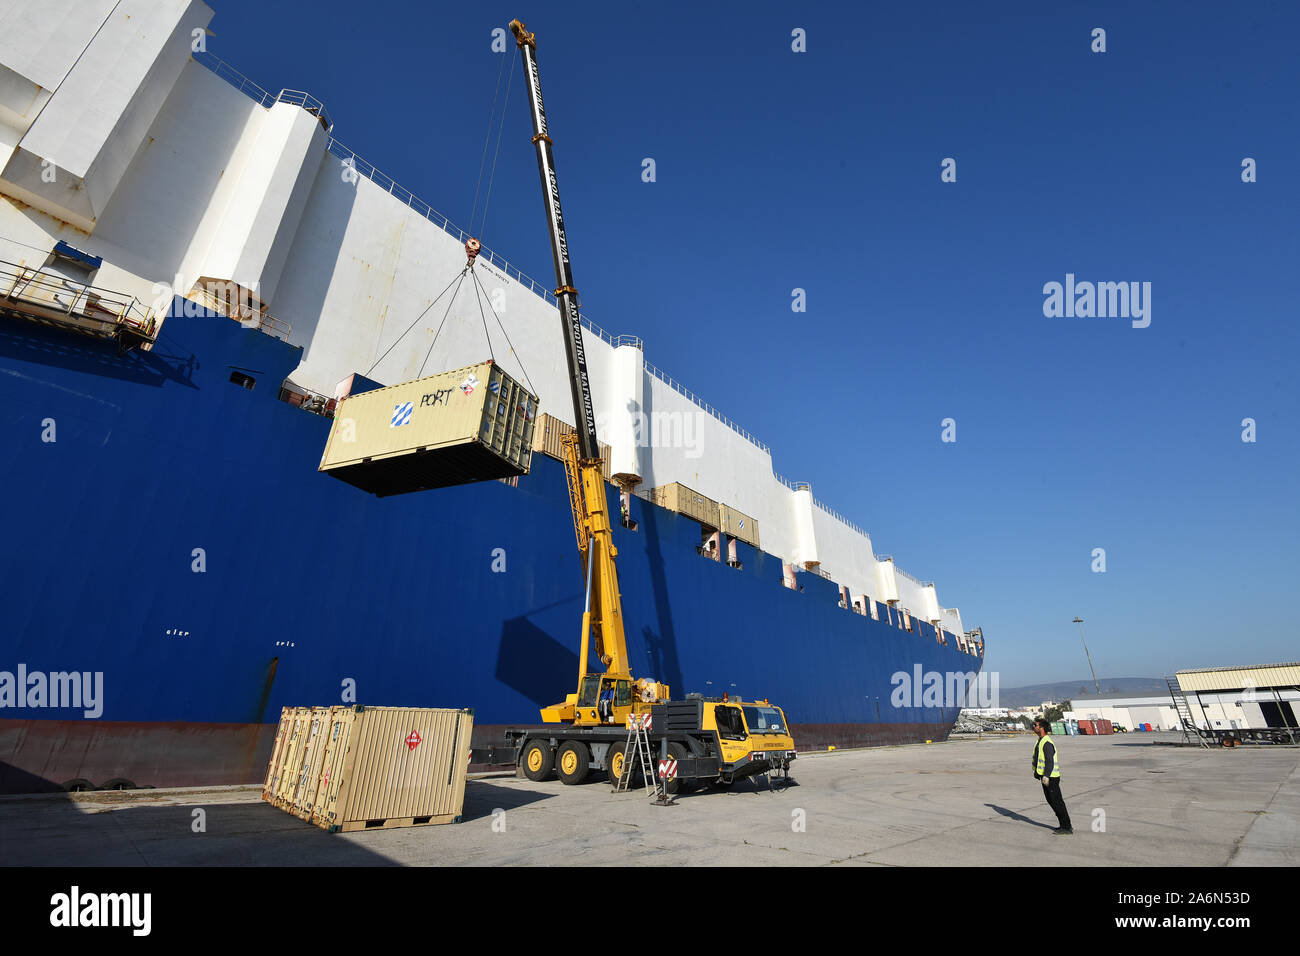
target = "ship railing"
x: 259, y: 95
x: 404, y: 195
x: 307, y: 400
x: 232, y: 76
x: 52, y: 297
x: 805, y: 486
x: 393, y: 188
x: 309, y: 103
x: 258, y: 319
x: 682, y: 390
x: 903, y: 574
x: 831, y: 512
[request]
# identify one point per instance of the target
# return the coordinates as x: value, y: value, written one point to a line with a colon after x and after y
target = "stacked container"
x: 677, y: 497
x: 737, y: 524
x: 547, y: 435
x: 359, y: 768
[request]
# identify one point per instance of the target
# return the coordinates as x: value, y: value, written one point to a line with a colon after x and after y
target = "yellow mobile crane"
x: 720, y: 742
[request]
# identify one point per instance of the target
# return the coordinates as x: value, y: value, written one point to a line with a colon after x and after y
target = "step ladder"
x: 638, y: 753
x: 1184, y: 711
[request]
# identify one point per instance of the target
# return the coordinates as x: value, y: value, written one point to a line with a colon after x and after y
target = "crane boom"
x: 608, y: 696
x: 565, y: 293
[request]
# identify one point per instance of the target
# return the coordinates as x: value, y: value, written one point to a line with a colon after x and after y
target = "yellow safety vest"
x: 1039, y: 759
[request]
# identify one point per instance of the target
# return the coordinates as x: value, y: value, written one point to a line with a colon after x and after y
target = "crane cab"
x: 605, y: 700
x: 751, y: 734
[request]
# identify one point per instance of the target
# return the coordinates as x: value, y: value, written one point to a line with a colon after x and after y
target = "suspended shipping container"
x: 467, y: 425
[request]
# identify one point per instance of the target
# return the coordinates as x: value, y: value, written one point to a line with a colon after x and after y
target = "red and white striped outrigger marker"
x: 638, y: 721
x: 668, y: 769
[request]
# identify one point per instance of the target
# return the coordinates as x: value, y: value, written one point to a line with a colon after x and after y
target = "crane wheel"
x: 573, y: 762
x: 615, y: 763
x: 539, y: 760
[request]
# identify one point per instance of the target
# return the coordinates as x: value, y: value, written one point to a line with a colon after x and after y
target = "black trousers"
x: 1057, y: 802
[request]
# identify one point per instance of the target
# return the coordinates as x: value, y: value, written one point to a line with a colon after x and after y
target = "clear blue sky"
x: 821, y: 170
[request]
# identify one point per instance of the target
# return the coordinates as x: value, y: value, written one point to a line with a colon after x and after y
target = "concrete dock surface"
x: 1134, y: 799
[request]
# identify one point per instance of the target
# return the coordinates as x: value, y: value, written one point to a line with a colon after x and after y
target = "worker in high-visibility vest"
x: 1047, y: 769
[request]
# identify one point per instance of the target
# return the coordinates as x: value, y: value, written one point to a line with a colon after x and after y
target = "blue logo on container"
x: 402, y: 414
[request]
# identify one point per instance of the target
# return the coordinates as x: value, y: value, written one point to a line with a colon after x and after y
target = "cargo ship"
x: 194, y: 272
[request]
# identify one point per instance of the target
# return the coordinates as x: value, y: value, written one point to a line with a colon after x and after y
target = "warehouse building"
x: 1254, y: 698
x: 1129, y: 711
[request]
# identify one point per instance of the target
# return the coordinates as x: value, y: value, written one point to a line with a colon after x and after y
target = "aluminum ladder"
x: 1184, y: 711
x: 637, y: 752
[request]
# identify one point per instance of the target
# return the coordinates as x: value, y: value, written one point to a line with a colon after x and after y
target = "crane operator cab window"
x: 590, y: 691
x: 604, y: 695
x: 730, y: 724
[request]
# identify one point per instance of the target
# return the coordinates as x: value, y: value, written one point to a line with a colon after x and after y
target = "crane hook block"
x: 472, y: 247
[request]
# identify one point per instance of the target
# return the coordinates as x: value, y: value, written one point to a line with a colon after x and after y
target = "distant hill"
x: 1032, y: 694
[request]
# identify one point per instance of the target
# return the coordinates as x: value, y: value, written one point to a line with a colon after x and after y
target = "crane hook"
x: 472, y: 247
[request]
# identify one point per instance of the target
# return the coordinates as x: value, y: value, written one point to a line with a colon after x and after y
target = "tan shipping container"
x: 677, y: 497
x: 303, y: 759
x: 366, y: 768
x: 546, y: 439
x: 470, y: 424
x: 283, y: 781
x: 278, y: 752
x: 739, y: 525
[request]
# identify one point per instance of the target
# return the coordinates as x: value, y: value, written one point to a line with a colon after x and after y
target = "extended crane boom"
x: 607, y: 697
x: 718, y: 740
x: 565, y: 293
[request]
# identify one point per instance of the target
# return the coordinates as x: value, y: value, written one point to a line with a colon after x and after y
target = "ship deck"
x: 964, y: 802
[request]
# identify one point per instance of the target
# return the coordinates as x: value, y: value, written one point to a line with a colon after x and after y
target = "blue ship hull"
x: 177, y: 537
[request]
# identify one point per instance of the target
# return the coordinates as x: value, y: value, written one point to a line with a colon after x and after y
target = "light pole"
x: 1079, y: 621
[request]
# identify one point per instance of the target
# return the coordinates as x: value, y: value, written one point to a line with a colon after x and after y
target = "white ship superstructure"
x: 122, y: 140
